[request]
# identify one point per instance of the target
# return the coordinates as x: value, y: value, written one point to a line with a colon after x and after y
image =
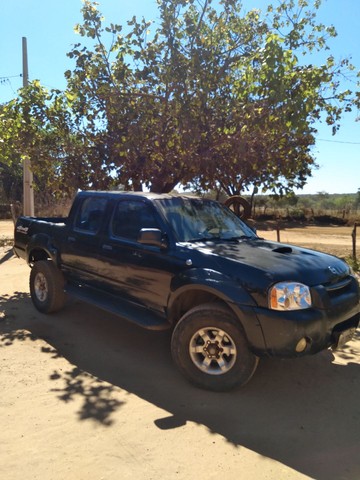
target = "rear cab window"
x: 90, y: 215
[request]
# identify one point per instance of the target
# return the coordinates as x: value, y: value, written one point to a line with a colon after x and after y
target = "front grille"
x: 335, y: 290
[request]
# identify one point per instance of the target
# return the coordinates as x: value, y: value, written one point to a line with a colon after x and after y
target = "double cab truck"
x: 191, y: 265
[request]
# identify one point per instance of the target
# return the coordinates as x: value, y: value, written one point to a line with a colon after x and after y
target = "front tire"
x: 47, y: 287
x: 209, y: 347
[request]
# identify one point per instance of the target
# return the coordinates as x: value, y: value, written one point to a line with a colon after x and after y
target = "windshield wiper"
x: 203, y: 239
x: 246, y: 237
x: 221, y: 239
x: 238, y: 237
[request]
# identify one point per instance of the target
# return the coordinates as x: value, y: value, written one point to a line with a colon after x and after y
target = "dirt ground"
x: 86, y: 396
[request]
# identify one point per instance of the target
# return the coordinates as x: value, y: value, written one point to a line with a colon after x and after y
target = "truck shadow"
x: 9, y: 254
x: 304, y: 413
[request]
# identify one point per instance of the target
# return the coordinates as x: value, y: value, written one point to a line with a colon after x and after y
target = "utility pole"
x: 28, y: 192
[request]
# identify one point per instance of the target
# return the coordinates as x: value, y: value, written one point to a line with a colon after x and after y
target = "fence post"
x: 278, y: 232
x: 353, y: 234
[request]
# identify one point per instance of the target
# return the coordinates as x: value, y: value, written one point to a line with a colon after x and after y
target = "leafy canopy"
x: 210, y: 96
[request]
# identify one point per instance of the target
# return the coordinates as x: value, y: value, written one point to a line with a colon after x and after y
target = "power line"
x: 4, y: 79
x: 337, y: 141
x: 7, y: 81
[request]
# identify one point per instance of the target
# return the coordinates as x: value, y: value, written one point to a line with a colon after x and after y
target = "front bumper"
x: 335, y: 310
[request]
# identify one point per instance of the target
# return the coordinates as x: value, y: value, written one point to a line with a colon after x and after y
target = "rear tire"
x: 47, y: 287
x: 210, y: 349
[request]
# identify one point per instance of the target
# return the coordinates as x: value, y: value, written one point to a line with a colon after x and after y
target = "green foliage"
x: 37, y: 125
x: 357, y: 200
x: 354, y: 264
x: 11, y: 182
x: 211, y: 97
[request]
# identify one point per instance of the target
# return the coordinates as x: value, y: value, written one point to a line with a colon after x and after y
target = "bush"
x: 330, y: 220
x: 5, y: 212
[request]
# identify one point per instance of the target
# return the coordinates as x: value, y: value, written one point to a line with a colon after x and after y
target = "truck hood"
x: 275, y: 262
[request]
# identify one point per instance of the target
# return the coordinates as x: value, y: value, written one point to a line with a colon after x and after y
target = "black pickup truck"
x: 191, y: 265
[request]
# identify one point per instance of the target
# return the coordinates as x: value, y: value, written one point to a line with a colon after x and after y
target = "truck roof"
x: 148, y: 195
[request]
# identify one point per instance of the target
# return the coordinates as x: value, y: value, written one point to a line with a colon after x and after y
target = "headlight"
x: 289, y: 296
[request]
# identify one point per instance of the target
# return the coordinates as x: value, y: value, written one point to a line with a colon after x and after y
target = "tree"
x: 11, y: 182
x: 10, y: 165
x: 210, y: 96
x: 357, y: 199
x: 39, y: 125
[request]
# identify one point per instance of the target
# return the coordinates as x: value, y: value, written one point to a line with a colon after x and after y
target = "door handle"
x: 71, y: 239
x: 107, y: 247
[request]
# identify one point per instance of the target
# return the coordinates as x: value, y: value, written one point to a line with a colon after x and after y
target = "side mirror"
x: 153, y: 237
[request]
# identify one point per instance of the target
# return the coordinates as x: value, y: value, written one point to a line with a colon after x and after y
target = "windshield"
x: 194, y: 219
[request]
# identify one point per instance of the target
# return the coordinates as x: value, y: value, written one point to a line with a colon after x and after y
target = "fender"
x: 42, y: 241
x: 227, y: 290
x: 210, y: 281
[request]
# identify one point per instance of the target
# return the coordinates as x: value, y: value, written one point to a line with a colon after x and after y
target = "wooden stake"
x: 353, y: 234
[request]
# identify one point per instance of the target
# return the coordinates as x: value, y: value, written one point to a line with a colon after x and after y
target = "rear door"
x: 80, y: 251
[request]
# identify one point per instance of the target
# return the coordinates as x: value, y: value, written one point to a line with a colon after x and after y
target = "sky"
x: 49, y: 28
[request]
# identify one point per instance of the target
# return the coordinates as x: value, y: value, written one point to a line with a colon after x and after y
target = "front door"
x: 140, y: 273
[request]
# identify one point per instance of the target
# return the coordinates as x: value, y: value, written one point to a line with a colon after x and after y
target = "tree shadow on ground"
x: 98, y: 402
x: 304, y: 413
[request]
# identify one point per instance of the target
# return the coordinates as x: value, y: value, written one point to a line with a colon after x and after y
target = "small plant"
x: 354, y: 264
x: 6, y: 242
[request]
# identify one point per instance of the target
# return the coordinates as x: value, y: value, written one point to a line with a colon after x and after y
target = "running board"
x: 129, y: 311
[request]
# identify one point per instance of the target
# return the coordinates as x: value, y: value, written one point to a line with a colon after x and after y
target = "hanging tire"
x: 47, y: 287
x: 240, y: 206
x: 209, y: 347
